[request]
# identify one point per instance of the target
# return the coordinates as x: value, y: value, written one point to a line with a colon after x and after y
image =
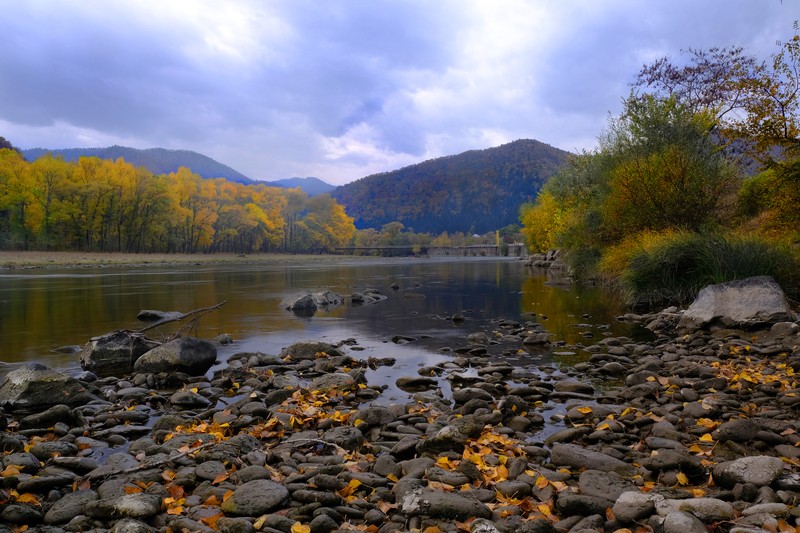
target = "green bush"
x: 671, y: 268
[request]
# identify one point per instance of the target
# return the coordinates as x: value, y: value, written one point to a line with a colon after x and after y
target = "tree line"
x: 695, y: 182
x: 112, y: 206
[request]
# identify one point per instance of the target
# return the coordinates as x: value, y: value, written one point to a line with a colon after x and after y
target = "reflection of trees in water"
x: 566, y: 306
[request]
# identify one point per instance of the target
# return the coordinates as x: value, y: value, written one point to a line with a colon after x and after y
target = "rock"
x: 438, y: 504
x: 367, y: 296
x: 346, y: 437
x: 705, y: 509
x: 70, y: 506
x: 680, y: 522
x: 311, y: 301
x: 152, y: 315
x: 334, y: 380
x: 309, y: 351
x: 568, y: 504
x: 740, y: 303
x: 130, y: 525
x: 608, y: 485
x: 736, y: 430
x: 760, y: 470
x: 185, y: 354
x: 36, y: 387
x: 115, y: 353
x: 576, y: 456
x: 49, y: 417
x: 139, y: 505
x: 416, y: 383
x: 633, y: 506
x: 255, y: 498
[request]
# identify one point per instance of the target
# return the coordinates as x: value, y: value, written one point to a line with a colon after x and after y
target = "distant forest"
x: 96, y: 204
x: 477, y: 191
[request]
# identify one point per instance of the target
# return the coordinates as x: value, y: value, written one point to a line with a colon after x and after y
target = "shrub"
x: 671, y: 267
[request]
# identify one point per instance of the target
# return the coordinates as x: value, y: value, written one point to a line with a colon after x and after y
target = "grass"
x: 671, y: 267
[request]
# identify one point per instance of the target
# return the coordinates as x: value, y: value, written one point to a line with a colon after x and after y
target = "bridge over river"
x: 474, y: 250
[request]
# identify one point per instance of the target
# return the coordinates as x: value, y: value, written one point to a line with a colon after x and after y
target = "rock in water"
x: 740, y: 303
x: 114, y: 354
x: 36, y: 387
x: 185, y: 354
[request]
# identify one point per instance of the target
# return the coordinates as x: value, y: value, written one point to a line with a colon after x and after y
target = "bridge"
x: 473, y: 250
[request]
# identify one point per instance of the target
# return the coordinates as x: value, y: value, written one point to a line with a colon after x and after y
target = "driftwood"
x: 194, y: 315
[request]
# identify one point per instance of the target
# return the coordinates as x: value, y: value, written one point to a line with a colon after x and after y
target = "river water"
x: 43, y: 310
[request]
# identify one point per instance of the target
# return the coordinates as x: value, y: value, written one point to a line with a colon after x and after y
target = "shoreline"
x: 35, y: 259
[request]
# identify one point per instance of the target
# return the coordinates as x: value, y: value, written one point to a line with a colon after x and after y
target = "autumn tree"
x: 753, y: 101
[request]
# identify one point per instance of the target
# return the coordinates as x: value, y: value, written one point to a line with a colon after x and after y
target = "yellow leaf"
x: 544, y: 509
x: 11, y: 470
x: 585, y: 410
x: 602, y: 426
x: 258, y: 524
x: 175, y: 510
x: 698, y: 493
x: 28, y: 498
x: 541, y: 482
x: 132, y: 490
x: 392, y: 477
x: 682, y: 479
x: 349, y: 489
x: 297, y: 527
x: 220, y: 478
x: 431, y: 529
x: 706, y: 437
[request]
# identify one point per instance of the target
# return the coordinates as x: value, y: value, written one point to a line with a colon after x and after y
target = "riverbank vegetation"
x: 99, y: 205
x: 696, y: 182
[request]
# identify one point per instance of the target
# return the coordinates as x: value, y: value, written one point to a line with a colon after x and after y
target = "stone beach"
x: 694, y: 430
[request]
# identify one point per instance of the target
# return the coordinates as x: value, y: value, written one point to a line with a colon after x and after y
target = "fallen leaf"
x: 682, y: 479
x: 297, y: 527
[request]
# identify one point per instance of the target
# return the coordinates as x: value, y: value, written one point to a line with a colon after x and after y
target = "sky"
x: 341, y: 89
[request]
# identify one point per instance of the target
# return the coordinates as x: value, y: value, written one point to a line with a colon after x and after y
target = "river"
x: 44, y: 310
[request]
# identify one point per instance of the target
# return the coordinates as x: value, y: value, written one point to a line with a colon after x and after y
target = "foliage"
x: 768, y: 201
x: 670, y: 267
x: 656, y: 169
x: 751, y: 100
x: 100, y: 205
x: 474, y: 192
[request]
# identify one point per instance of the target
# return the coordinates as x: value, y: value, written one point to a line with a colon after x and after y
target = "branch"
x: 197, y: 313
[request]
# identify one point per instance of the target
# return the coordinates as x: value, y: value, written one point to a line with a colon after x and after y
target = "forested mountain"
x: 312, y: 186
x: 156, y: 160
x: 476, y: 191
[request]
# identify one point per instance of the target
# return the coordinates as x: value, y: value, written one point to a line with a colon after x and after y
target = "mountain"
x: 312, y: 186
x: 477, y: 191
x: 156, y: 160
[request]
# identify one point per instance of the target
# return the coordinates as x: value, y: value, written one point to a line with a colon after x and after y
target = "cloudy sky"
x: 340, y: 89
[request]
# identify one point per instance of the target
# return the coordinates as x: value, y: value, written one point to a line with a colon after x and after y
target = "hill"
x: 476, y: 191
x: 312, y: 186
x: 156, y: 160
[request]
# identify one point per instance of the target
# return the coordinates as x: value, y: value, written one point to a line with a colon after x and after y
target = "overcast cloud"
x: 340, y: 89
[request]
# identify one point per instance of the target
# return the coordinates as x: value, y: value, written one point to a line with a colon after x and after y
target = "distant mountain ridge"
x: 477, y: 191
x: 313, y: 186
x: 156, y: 160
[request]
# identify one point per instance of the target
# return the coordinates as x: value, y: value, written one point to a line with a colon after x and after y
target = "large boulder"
x: 36, y: 387
x: 115, y: 353
x: 184, y: 354
x: 741, y: 303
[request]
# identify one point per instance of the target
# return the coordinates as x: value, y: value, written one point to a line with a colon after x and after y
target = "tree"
x: 657, y: 168
x: 755, y: 102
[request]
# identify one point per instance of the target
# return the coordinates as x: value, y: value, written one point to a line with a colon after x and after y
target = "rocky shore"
x: 692, y: 431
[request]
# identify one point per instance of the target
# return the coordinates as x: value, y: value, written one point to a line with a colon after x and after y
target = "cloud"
x: 343, y: 88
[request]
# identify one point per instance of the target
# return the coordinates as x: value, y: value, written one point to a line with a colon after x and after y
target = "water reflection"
x: 42, y: 310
